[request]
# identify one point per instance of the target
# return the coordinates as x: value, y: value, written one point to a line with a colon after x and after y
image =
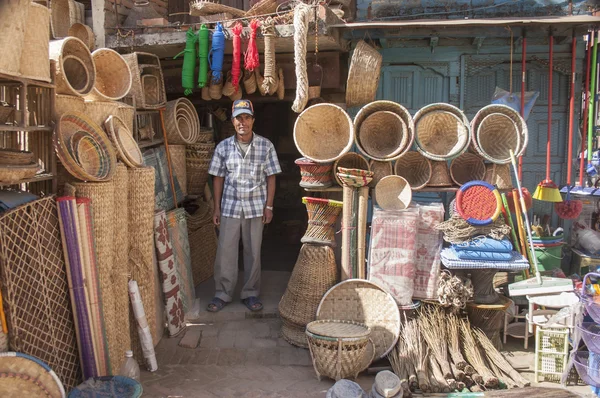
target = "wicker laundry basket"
x: 363, y: 75
x: 323, y: 142
x: 75, y: 69
x: 467, y: 167
x: 415, y: 168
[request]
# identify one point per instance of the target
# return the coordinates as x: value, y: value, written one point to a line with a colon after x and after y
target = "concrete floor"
x: 241, y: 354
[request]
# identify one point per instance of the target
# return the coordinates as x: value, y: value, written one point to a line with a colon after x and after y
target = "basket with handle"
x: 415, y: 168
x: 322, y: 217
x: 363, y: 75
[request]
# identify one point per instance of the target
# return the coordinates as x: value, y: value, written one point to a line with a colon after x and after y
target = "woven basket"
x: 75, y: 69
x: 497, y: 135
x: 322, y: 217
x: 393, y: 193
x: 206, y: 135
x: 202, y: 151
x: 490, y: 143
x: 350, y: 160
x: 294, y: 334
x: 363, y: 75
x: 14, y: 173
x: 127, y: 148
x: 498, y: 175
x: 440, y: 175
x: 467, y: 167
x: 380, y: 170
x: 354, y: 178
x: 178, y: 165
x: 67, y: 104
x: 74, y: 13
x: 280, y: 85
x: 197, y: 175
x: 35, y: 63
x: 441, y: 132
x: 100, y: 111
x: 146, y: 64
x: 13, y: 15
x: 113, y: 76
x: 203, y: 252
x: 60, y: 19
x: 127, y: 114
x: 396, y: 143
x: 365, y: 302
x: 15, y: 157
x: 338, y: 348
x: 151, y: 90
x: 250, y: 85
x: 415, y: 168
x: 181, y: 122
x: 83, y: 33
x: 215, y: 89
x: 314, y: 274
x: 201, y: 217
x: 323, y: 142
x: 262, y: 7
x: 314, y: 175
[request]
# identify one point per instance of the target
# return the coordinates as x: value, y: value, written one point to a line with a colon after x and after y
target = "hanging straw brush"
x: 547, y: 190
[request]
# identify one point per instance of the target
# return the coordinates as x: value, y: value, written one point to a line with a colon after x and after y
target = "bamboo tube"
x: 519, y: 222
x: 363, y: 204
x: 346, y: 223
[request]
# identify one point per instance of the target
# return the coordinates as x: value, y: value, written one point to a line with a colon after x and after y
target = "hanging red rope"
x: 251, y: 59
x: 237, y: 55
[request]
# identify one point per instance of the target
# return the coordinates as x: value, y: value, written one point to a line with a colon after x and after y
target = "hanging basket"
x: 467, y: 167
x: 415, y: 168
x: 381, y: 135
x: 350, y: 160
x: 441, y: 131
x: 363, y: 75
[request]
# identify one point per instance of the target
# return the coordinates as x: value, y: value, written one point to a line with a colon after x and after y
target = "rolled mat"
x: 141, y: 223
x: 178, y: 165
x: 103, y: 207
x: 120, y: 274
x: 203, y: 251
x: 363, y: 205
x: 347, y: 272
x: 143, y: 327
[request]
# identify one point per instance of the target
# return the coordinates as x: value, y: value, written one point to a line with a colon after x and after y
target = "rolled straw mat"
x: 113, y: 76
x: 35, y: 63
x: 102, y: 196
x: 380, y: 170
x: 120, y: 274
x: 75, y: 69
x: 363, y: 75
x: 141, y: 249
x: 203, y: 251
x: 415, y: 168
x: 178, y: 165
x: 14, y: 17
x: 36, y: 295
x: 22, y: 375
x: 364, y: 302
x: 393, y: 193
x: 323, y: 142
x: 467, y: 167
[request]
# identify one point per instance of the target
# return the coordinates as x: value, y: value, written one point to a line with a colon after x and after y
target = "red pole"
x: 586, y: 106
x: 571, y: 110
x: 550, y: 73
x: 523, y: 65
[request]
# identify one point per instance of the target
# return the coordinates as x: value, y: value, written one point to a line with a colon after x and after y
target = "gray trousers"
x: 226, y: 263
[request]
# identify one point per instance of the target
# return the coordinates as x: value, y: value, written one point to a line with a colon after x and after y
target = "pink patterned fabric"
x: 429, y: 245
x: 392, y: 254
x: 168, y: 275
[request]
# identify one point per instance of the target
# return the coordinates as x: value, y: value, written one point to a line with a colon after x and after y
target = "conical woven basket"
x: 83, y: 33
x: 498, y: 175
x: 323, y: 142
x: 75, y: 69
x: 393, y: 193
x: 350, y: 160
x: 415, y: 168
x: 467, y: 167
x: 13, y: 15
x: 496, y: 136
x: 396, y: 142
x: 34, y: 56
x: 363, y: 75
x: 60, y: 18
x: 113, y: 76
x: 440, y: 175
x: 293, y: 334
x: 67, y: 104
x: 380, y: 170
x: 505, y: 110
x: 441, y: 131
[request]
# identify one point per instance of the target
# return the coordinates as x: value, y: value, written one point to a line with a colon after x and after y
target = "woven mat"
x: 178, y: 164
x: 203, y: 251
x: 429, y: 244
x: 164, y: 199
x: 35, y: 288
x: 177, y: 226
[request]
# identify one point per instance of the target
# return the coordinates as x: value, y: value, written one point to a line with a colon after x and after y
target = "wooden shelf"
x: 37, y: 178
x: 147, y: 144
x: 15, y: 80
x: 6, y: 127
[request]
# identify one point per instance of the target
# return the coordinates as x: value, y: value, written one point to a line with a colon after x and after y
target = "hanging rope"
x: 300, y: 42
x: 270, y: 82
x: 189, y: 62
x: 203, y: 55
x: 237, y: 55
x: 217, y: 51
x: 251, y: 59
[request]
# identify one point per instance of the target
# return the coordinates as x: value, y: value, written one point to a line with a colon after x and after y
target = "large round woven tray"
x: 128, y: 150
x: 181, y: 122
x: 441, y: 133
x: 393, y: 193
x: 323, y: 133
x: 364, y: 302
x: 363, y: 75
x: 415, y: 168
x: 467, y: 167
x: 497, y: 135
x: 382, y: 135
x: 403, y: 138
x: 22, y: 375
x: 513, y: 115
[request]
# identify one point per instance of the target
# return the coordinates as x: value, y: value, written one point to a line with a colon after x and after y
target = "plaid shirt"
x: 245, y: 176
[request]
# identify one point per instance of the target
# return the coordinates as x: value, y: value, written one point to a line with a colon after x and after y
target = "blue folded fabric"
x: 485, y: 244
x: 11, y: 199
x: 482, y: 255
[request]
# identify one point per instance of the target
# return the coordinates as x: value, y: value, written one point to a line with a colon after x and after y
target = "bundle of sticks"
x: 441, y: 353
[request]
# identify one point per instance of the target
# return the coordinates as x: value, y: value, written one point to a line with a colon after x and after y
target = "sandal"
x: 216, y: 305
x: 253, y: 303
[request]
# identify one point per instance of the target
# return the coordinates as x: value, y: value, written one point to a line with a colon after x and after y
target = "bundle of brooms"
x: 440, y: 353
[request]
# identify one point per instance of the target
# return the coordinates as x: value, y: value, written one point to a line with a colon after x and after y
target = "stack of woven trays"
x: 197, y: 160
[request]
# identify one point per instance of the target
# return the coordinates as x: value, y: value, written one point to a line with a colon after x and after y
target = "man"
x: 244, y: 168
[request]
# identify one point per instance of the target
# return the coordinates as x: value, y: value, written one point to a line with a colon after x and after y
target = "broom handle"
x: 538, y: 276
x: 550, y: 73
x: 523, y: 66
x: 592, y: 97
x: 571, y: 109
x: 585, y: 109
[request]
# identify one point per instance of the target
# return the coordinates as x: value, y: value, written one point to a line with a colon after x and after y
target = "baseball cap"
x: 242, y: 106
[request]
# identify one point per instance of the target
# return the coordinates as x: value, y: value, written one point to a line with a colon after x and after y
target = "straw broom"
x: 475, y: 358
x: 436, y: 374
x: 453, y: 335
x: 504, y: 381
x: 459, y: 375
x: 418, y: 353
x: 431, y: 322
x: 398, y: 359
x: 497, y: 358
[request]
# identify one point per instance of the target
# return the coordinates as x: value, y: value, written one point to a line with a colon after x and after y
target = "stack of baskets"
x: 16, y: 165
x: 197, y: 161
x: 148, y: 85
x: 201, y: 231
x: 587, y: 363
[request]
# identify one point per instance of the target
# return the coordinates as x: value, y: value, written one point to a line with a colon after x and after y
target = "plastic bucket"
x: 549, y: 255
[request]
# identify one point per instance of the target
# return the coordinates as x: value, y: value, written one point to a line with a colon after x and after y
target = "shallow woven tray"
x: 15, y: 157
x: 415, y: 168
x: 22, y: 375
x: 393, y: 193
x: 364, y: 302
x: 15, y: 173
x: 127, y: 148
x: 363, y: 75
x: 323, y: 142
